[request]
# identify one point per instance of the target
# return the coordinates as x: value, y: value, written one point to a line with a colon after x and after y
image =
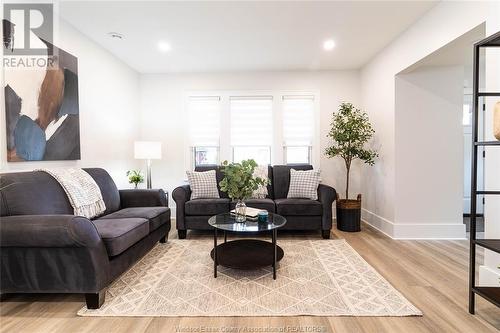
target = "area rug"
x: 314, y: 278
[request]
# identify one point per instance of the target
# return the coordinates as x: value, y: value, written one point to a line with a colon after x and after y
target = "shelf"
x: 487, y: 192
x: 490, y: 244
x: 491, y: 294
x: 487, y: 94
x: 487, y: 143
x: 491, y: 41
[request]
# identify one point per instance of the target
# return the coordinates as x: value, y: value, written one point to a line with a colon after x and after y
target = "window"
x: 206, y: 155
x: 261, y: 155
x: 298, y: 128
x: 271, y: 127
x: 297, y: 155
x: 251, y: 128
x: 204, y: 129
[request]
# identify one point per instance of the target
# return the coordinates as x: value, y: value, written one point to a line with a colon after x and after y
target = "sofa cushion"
x: 261, y: 171
x: 108, y: 188
x: 298, y: 207
x: 266, y: 204
x: 304, y: 184
x: 32, y: 193
x: 207, y: 206
x: 218, y: 176
x: 157, y: 216
x: 120, y: 234
x: 281, y: 178
x: 203, y: 184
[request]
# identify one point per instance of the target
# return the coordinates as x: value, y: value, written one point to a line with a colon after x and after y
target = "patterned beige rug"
x: 315, y: 277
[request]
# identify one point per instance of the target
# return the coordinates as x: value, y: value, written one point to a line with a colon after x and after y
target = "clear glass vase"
x: 240, y: 210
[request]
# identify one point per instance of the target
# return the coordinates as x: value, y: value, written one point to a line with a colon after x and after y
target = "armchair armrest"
x: 181, y: 195
x: 326, y: 195
x: 47, y: 231
x: 143, y: 198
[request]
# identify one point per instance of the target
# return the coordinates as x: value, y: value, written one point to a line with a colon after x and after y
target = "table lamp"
x: 147, y: 150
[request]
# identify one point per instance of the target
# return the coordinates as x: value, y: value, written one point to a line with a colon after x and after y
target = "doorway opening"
x: 434, y: 131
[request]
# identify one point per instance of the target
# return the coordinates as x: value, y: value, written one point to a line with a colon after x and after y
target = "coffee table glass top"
x: 227, y: 221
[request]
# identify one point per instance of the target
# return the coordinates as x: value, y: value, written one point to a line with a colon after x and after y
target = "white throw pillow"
x: 262, y: 172
x: 203, y: 184
x: 304, y: 184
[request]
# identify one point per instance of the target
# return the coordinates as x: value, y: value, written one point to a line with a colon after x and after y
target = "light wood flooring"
x: 431, y: 274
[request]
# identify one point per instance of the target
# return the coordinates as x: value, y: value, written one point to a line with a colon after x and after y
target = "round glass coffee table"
x: 246, y: 253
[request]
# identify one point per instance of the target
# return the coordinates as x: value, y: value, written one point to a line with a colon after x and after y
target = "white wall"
x: 429, y: 153
x: 442, y: 24
x: 109, y: 110
x: 163, y: 112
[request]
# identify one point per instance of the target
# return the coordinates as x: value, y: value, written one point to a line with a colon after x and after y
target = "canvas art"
x: 41, y: 105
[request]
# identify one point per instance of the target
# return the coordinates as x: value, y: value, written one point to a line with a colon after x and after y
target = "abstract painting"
x: 41, y: 105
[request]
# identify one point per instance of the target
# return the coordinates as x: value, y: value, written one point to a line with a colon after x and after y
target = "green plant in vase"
x: 135, y: 177
x: 239, y: 183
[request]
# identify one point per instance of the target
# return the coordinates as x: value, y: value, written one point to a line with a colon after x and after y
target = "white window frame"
x: 267, y: 97
x: 309, y: 153
x: 190, y: 159
x: 277, y: 148
x: 193, y: 155
x: 315, y: 142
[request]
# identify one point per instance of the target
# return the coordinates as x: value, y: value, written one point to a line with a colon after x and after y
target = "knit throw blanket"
x: 83, y: 192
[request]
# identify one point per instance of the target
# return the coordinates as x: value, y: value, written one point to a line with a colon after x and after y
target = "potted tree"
x: 351, y: 130
x: 239, y: 183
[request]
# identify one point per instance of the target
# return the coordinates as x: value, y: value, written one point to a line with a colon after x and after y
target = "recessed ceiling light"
x: 329, y: 44
x: 164, y: 46
x: 115, y: 35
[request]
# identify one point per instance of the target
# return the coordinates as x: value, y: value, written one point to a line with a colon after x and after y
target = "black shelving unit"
x: 492, y: 294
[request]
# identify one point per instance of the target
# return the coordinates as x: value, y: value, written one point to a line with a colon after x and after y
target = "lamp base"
x: 148, y: 175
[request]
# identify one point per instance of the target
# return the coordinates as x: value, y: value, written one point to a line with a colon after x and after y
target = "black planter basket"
x: 349, y: 214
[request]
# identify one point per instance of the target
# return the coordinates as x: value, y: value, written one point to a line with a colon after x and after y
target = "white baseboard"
x: 414, y: 231
x: 488, y: 277
x: 378, y: 222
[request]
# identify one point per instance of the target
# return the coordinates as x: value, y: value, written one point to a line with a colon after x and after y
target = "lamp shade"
x: 147, y: 150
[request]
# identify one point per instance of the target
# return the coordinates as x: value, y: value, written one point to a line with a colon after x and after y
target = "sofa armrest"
x: 181, y: 195
x: 326, y: 195
x: 51, y: 253
x: 143, y: 198
x: 47, y: 231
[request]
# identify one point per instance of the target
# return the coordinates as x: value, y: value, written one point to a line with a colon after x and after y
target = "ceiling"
x: 243, y: 35
x: 456, y: 53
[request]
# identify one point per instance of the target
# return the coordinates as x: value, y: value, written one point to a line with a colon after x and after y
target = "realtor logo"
x: 25, y: 28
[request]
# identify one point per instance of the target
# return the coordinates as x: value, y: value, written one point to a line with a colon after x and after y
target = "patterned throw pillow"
x: 203, y: 184
x: 304, y: 184
x: 262, y: 172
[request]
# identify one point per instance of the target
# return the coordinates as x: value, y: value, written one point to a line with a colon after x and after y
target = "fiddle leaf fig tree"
x: 351, y: 130
x: 239, y: 182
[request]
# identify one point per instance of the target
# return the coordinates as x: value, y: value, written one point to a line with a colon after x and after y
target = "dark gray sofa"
x: 46, y: 249
x: 301, y: 214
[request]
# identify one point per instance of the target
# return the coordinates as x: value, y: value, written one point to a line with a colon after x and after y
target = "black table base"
x: 247, y: 254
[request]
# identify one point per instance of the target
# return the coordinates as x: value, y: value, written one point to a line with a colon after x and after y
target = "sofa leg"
x: 163, y: 239
x: 182, y: 234
x: 325, y: 234
x: 95, y: 300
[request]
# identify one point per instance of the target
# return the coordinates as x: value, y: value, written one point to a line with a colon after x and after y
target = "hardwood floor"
x: 431, y: 274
